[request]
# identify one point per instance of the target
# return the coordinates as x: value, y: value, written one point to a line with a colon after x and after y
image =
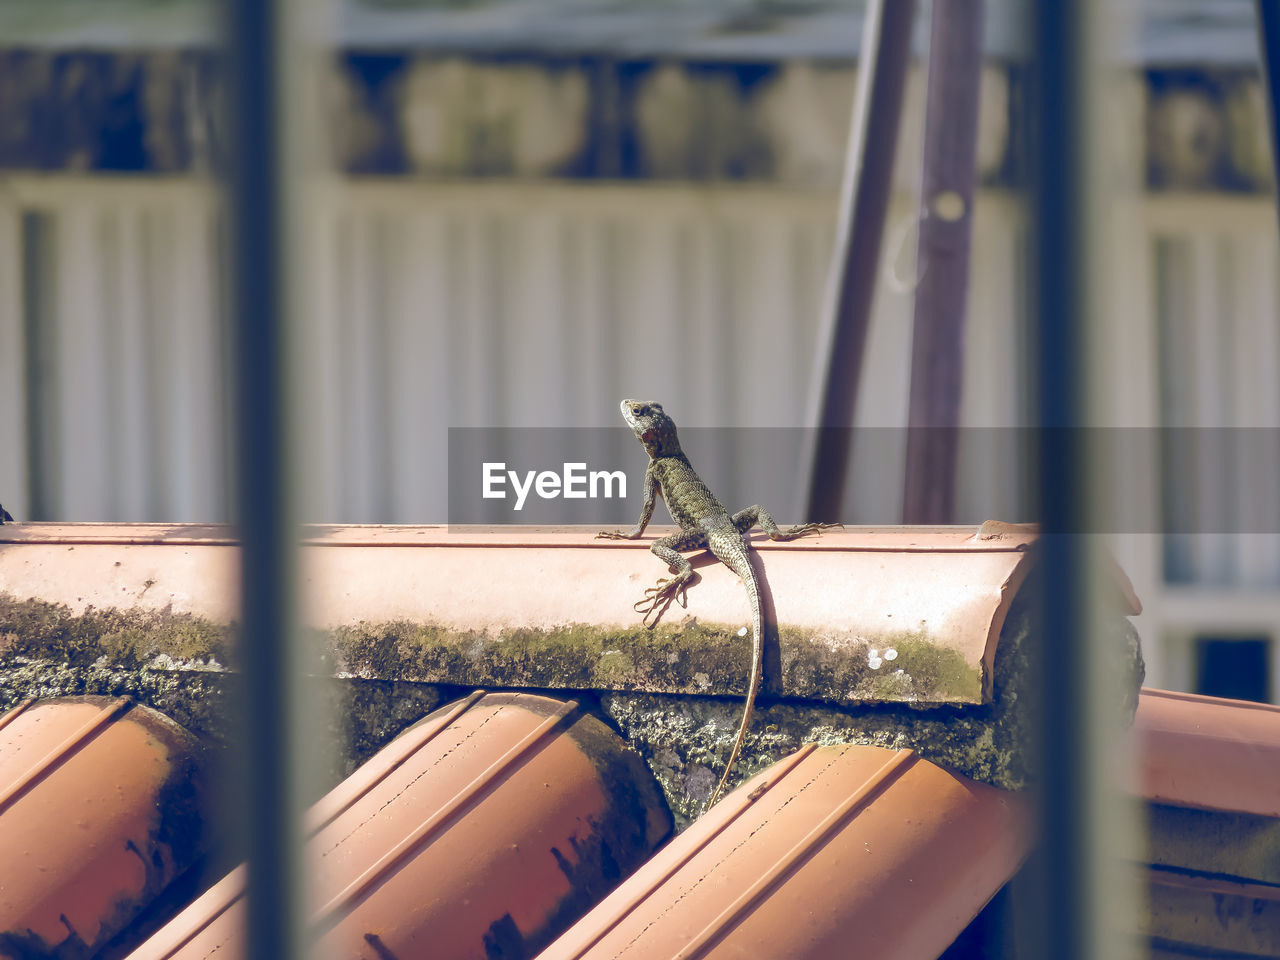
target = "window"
x: 1236, y: 667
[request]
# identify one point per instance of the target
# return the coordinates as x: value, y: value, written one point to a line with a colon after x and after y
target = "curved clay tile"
x: 944, y: 592
x: 98, y: 812
x: 1209, y: 752
x: 833, y: 852
x: 483, y: 830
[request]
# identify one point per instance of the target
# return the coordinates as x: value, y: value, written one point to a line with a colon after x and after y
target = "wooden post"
x: 946, y: 227
x: 882, y: 69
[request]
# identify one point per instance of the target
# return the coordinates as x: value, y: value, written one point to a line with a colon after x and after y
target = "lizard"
x: 704, y: 524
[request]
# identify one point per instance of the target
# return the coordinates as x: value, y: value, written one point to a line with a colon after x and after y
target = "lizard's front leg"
x: 744, y: 520
x: 646, y: 511
x: 658, y: 598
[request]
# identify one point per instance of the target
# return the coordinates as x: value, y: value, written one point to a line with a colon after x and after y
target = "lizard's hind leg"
x: 659, y: 597
x: 744, y: 520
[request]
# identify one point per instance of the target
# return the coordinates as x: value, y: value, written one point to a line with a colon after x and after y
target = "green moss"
x: 686, y: 658
x: 125, y: 638
x: 690, y: 658
x: 576, y: 656
x: 685, y: 741
x: 923, y: 671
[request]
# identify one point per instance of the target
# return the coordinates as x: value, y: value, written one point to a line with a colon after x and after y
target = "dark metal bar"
x: 1269, y: 50
x: 38, y: 331
x: 883, y: 61
x: 269, y: 817
x: 1064, y: 919
x: 946, y: 226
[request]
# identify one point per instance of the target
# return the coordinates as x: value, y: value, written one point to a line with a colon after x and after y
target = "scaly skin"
x: 704, y: 523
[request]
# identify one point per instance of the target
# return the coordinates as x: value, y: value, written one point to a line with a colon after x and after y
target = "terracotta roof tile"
x: 940, y: 588
x: 94, y: 820
x: 1208, y: 752
x: 835, y: 851
x: 492, y: 824
x: 1210, y: 769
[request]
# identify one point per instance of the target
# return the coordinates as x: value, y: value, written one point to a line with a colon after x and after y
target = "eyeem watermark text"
x: 572, y: 483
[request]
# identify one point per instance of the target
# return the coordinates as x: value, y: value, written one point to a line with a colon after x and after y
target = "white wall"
x: 438, y: 305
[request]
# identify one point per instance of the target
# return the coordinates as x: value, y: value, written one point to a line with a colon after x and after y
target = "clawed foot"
x: 806, y: 528
x: 612, y: 535
x: 659, y: 597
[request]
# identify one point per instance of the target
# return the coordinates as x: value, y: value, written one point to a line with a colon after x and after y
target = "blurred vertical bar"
x: 13, y: 368
x: 1269, y: 50
x: 883, y: 58
x: 1085, y: 906
x: 1057, y: 121
x: 264, y: 164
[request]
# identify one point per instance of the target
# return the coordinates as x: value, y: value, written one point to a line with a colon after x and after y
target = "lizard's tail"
x: 757, y: 666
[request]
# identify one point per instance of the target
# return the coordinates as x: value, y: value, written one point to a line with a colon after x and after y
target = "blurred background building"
x: 541, y: 206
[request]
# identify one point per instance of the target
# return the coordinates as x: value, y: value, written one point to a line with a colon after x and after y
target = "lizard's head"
x: 651, y: 426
